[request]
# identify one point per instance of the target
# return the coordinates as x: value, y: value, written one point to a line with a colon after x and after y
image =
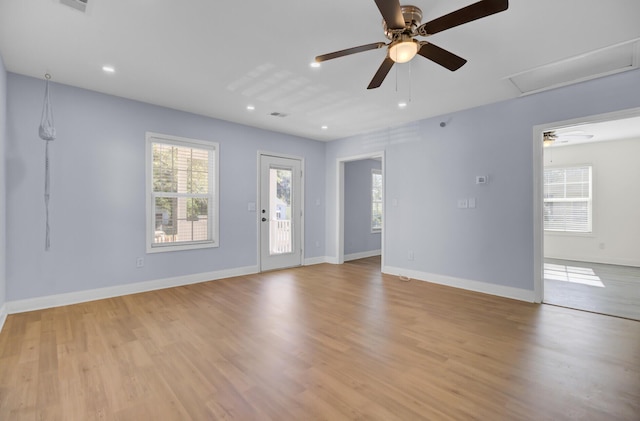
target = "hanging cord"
x: 47, y: 133
x: 47, y: 241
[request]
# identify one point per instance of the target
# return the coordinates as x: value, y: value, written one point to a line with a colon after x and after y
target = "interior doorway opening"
x: 586, y: 225
x: 360, y: 207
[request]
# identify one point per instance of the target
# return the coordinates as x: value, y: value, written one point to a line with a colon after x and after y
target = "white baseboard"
x: 468, y: 284
x: 598, y: 259
x: 39, y: 303
x: 362, y: 255
x: 315, y: 260
x: 3, y: 315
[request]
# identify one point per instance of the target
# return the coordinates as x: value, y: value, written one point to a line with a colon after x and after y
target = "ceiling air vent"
x: 277, y: 114
x: 80, y: 5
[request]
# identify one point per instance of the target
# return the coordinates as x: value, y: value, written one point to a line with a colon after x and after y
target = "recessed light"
x: 324, y: 127
x: 108, y: 69
x: 402, y: 104
x: 314, y: 64
x: 251, y: 107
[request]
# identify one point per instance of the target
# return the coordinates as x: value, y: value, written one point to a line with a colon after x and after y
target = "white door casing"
x: 280, y: 212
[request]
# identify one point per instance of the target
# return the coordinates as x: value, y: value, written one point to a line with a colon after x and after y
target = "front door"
x: 280, y: 212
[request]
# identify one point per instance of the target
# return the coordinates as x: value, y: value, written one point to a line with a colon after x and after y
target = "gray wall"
x: 98, y: 205
x: 428, y: 168
x: 3, y: 183
x: 358, y: 237
x: 98, y: 191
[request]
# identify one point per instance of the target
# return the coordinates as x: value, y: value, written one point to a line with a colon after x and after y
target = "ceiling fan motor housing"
x: 412, y: 18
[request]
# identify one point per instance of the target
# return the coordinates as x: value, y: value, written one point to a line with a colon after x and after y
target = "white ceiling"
x: 624, y: 128
x: 215, y: 58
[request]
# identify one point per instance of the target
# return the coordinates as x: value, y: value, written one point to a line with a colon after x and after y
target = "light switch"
x: 472, y: 203
x: 251, y: 207
x: 463, y: 204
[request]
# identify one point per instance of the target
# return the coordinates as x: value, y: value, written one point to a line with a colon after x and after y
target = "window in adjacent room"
x: 182, y: 193
x: 567, y: 199
x: 376, y: 200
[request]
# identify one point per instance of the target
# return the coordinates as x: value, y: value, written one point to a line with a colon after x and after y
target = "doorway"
x: 587, y: 198
x: 280, y: 212
x: 341, y: 207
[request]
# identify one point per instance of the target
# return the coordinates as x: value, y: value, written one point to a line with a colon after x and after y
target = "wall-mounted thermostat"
x: 481, y: 179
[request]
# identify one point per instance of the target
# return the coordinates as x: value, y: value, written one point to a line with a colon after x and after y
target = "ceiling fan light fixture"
x: 403, y: 50
x: 548, y: 139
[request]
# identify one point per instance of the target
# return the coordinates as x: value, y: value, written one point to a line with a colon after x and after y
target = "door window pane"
x: 280, y: 233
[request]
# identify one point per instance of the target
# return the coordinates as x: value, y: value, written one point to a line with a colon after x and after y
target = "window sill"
x: 181, y: 247
x: 570, y: 234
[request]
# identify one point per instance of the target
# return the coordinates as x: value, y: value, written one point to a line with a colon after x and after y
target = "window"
x: 376, y: 200
x: 567, y: 199
x: 182, y: 192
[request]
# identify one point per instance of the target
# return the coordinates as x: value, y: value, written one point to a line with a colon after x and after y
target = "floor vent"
x: 614, y: 59
x: 80, y: 5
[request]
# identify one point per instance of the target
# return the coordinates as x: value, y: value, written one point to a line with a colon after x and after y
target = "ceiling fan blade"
x: 378, y: 78
x: 470, y: 13
x: 391, y: 13
x: 441, y: 56
x: 349, y: 51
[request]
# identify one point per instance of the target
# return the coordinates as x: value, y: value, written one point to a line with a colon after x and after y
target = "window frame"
x: 374, y: 172
x: 588, y: 200
x: 212, y: 195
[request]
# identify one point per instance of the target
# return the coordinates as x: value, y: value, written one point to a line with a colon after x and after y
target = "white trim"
x: 333, y: 260
x: 597, y: 259
x: 39, y: 303
x: 3, y: 315
x: 316, y: 260
x: 468, y: 284
x: 262, y: 153
x: 538, y: 167
x: 362, y: 255
x: 213, y: 194
x: 340, y: 162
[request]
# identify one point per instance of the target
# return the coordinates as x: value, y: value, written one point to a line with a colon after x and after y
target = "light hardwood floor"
x: 601, y: 288
x: 320, y: 342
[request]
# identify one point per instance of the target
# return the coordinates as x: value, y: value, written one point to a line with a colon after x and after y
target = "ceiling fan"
x: 402, y: 23
x: 551, y: 137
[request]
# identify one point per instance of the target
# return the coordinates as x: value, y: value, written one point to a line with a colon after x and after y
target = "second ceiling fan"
x: 402, y: 23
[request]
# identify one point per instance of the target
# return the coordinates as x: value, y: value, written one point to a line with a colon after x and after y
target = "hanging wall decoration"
x: 47, y: 133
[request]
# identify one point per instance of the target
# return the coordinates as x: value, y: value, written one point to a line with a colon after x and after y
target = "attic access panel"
x: 80, y: 5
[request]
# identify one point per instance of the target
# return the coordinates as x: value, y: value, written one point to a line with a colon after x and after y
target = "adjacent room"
x: 319, y: 211
x: 592, y: 256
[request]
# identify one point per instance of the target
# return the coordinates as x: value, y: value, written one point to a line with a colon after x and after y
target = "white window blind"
x: 567, y: 199
x: 182, y: 189
x: 376, y: 200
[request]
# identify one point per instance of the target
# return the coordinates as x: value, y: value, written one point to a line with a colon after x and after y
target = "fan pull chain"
x: 410, y: 82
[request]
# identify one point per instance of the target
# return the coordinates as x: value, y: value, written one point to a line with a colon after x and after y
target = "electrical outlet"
x: 140, y: 262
